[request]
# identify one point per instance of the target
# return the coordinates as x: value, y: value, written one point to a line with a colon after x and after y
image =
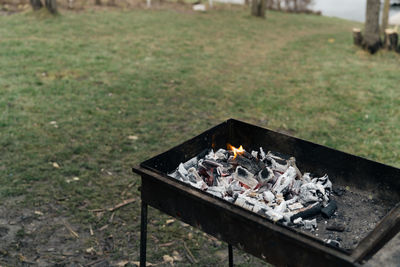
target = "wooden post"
x: 357, y: 37
x: 36, y: 4
x: 51, y: 5
x: 258, y: 8
x: 390, y: 40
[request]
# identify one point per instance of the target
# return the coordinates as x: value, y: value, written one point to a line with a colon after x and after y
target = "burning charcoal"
x: 322, y: 195
x: 203, y: 153
x: 328, y: 211
x: 292, y: 162
x: 310, y: 224
x: 245, y: 177
x: 174, y: 175
x: 182, y: 171
x: 210, y: 163
x: 295, y: 206
x: 296, y: 186
x: 298, y: 221
x: 262, y: 154
x: 285, y: 181
x: 259, y: 207
x: 278, y: 156
x: 307, y: 177
x: 200, y: 185
x: 234, y: 187
x: 268, y: 184
x: 190, y: 163
x: 291, y: 199
x: 193, y: 176
x: 244, y: 203
x: 273, y: 215
x: 278, y: 165
x: 308, y: 212
x: 279, y: 198
x: 268, y: 196
x: 218, y: 191
x: 279, y: 161
x: 253, y: 165
x: 281, y: 208
x: 221, y: 154
x: 308, y: 193
x: 229, y: 199
x: 216, y: 177
x: 210, y: 155
x: 336, y: 227
x: 265, y: 175
x: 286, y: 217
x: 325, y: 182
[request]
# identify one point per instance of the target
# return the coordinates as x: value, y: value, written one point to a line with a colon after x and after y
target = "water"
x: 347, y: 9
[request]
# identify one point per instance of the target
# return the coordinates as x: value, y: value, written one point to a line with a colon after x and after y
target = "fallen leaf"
x: 75, y: 178
x: 190, y: 235
x: 38, y: 213
x: 170, y: 221
x: 331, y: 40
x: 176, y: 256
x: 167, y: 244
x: 90, y: 250
x: 168, y: 259
x: 103, y: 227
x: 133, y: 137
x: 122, y: 263
x: 136, y: 263
x: 53, y: 122
x: 55, y: 165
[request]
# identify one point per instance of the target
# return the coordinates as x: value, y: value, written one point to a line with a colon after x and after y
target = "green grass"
x: 165, y: 76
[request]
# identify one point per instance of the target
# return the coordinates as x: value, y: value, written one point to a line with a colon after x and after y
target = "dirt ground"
x: 45, y: 237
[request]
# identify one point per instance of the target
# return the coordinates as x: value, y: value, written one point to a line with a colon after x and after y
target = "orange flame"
x: 236, y: 151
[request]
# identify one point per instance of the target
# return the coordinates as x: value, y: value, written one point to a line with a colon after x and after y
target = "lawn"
x: 87, y: 95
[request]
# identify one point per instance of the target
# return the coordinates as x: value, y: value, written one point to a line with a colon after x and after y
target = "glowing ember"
x: 236, y: 151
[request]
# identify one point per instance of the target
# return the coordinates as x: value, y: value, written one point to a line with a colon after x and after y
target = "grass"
x: 75, y: 87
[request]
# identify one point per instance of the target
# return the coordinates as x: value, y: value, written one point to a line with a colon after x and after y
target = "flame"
x: 236, y: 151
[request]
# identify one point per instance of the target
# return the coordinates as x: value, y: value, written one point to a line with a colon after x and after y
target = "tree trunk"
x: 287, y: 5
x: 258, y: 8
x: 36, y: 4
x: 98, y: 2
x: 270, y: 4
x: 385, y: 15
x: 372, y: 40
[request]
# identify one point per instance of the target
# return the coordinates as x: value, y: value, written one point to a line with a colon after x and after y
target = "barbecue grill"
x: 371, y: 188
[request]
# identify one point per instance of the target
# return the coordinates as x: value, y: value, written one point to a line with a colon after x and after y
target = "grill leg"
x: 143, y: 234
x: 230, y: 255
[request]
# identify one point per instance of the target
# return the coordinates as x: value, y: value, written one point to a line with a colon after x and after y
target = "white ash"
x: 269, y: 184
x: 310, y: 224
